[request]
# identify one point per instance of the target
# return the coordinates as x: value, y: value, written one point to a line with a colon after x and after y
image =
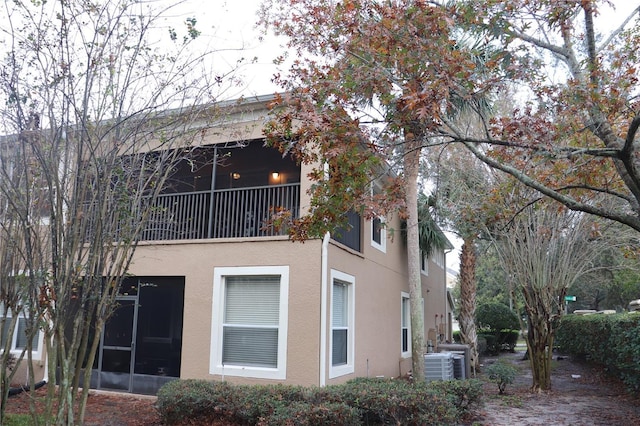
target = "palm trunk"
x: 467, y: 315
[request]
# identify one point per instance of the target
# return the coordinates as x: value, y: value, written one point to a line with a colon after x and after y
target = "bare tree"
x: 545, y: 249
x: 100, y: 103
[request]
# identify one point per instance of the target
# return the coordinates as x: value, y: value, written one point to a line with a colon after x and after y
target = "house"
x: 215, y: 293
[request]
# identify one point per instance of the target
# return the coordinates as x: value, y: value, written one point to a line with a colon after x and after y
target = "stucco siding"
x: 196, y: 262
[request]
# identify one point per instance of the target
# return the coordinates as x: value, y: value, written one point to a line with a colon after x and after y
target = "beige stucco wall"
x: 196, y: 262
x: 435, y: 301
x: 380, y: 279
x: 21, y: 377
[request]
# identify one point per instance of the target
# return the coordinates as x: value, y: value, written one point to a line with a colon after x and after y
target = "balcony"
x: 219, y: 192
x: 222, y: 213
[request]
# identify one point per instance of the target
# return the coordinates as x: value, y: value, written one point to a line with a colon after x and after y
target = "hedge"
x: 498, y: 326
x: 357, y: 402
x: 496, y: 316
x: 612, y: 341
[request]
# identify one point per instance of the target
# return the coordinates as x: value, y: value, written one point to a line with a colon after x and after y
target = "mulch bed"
x: 103, y: 408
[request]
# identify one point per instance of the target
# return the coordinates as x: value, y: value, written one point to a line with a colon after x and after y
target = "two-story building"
x: 216, y: 293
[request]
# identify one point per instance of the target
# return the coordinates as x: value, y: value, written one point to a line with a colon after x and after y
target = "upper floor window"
x: 378, y: 227
x: 424, y: 263
x: 438, y: 258
x: 350, y: 234
x: 378, y: 234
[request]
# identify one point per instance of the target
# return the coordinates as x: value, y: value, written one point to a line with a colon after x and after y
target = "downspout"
x: 323, y: 310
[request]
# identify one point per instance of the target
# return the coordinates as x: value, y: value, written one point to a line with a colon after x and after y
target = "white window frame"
x: 350, y: 282
x: 35, y: 354
x: 405, y: 323
x: 424, y: 263
x: 215, y: 361
x: 438, y: 258
x: 382, y: 245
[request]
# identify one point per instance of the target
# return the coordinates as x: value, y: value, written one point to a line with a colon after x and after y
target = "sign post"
x: 568, y: 299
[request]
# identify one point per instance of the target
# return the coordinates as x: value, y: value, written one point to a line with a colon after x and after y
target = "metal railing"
x: 231, y: 213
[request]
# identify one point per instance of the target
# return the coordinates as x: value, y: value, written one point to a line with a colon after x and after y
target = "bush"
x: 482, y: 344
x: 389, y: 401
x: 496, y: 316
x: 502, y: 374
x: 185, y: 400
x: 612, y: 341
x: 359, y: 401
x: 261, y: 401
x: 492, y: 345
x: 463, y: 394
x: 509, y: 339
x: 307, y: 414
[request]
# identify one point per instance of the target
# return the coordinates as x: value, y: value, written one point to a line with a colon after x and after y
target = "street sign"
x: 569, y: 298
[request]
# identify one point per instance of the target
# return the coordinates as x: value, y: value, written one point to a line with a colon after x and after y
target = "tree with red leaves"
x: 375, y: 82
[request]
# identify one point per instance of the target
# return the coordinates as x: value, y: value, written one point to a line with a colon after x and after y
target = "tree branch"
x: 569, y: 202
x: 618, y: 30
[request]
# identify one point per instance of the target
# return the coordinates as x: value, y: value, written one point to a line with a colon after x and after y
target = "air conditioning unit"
x: 459, y: 371
x: 438, y: 366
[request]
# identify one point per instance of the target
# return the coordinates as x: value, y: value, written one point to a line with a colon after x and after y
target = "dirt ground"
x: 582, y: 396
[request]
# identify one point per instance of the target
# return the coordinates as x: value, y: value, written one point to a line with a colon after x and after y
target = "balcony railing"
x: 246, y: 212
x: 225, y: 213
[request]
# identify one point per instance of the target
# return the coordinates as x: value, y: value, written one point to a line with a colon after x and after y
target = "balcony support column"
x: 212, y: 189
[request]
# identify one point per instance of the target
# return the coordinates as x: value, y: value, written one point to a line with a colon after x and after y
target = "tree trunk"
x: 412, y: 163
x: 467, y: 315
x: 540, y: 345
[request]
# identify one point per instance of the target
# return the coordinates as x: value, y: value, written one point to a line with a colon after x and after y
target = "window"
x: 19, y: 338
x: 378, y: 229
x: 405, y: 325
x: 424, y: 263
x: 438, y: 258
x: 249, y: 334
x: 342, y: 320
x: 378, y: 234
x: 349, y: 235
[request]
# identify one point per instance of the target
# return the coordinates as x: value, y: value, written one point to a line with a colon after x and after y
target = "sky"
x: 231, y: 23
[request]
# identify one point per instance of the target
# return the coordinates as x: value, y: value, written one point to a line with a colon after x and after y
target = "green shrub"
x: 497, y: 341
x: 482, y: 344
x: 185, y: 400
x: 457, y: 338
x: 509, y: 339
x: 496, y: 316
x: 260, y: 401
x: 612, y: 341
x: 359, y: 401
x: 463, y: 394
x: 502, y: 374
x: 306, y: 414
x: 389, y: 401
x: 492, y: 345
